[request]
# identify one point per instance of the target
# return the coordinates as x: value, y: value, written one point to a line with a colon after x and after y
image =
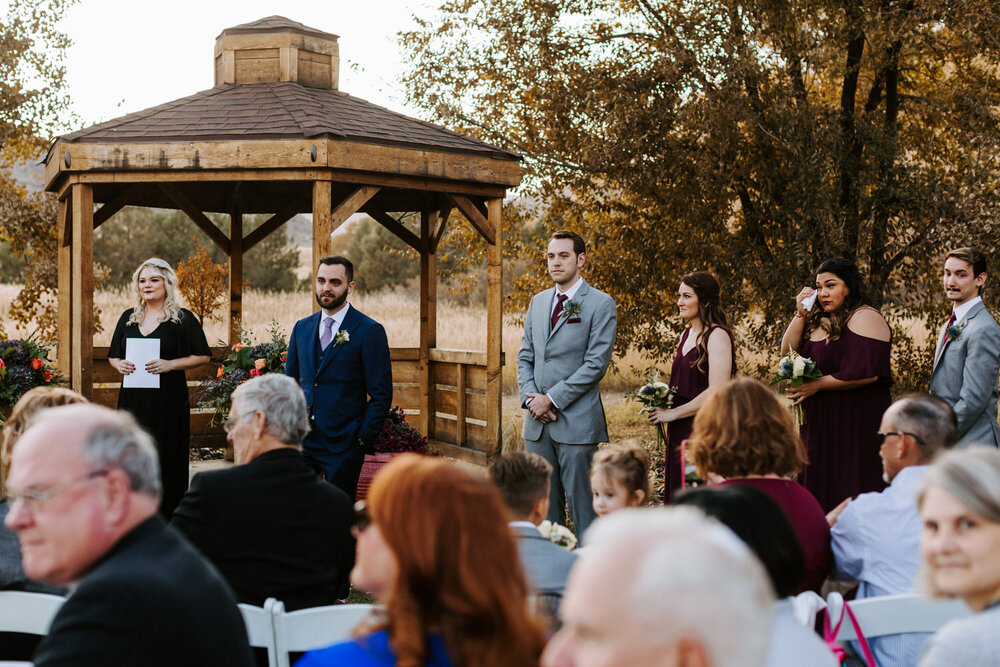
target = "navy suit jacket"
x: 349, y: 392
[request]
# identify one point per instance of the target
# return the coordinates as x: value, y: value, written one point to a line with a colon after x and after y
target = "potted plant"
x: 396, y: 437
x: 24, y: 365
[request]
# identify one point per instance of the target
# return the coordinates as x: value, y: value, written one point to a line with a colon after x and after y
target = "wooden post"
x: 494, y: 327
x: 322, y: 209
x: 82, y: 277
x: 235, y: 272
x: 64, y: 292
x: 428, y: 319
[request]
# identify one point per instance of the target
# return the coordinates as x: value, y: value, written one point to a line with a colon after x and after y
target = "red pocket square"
x: 573, y: 320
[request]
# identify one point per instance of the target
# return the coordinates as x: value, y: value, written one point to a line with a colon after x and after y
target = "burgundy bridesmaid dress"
x: 841, y: 429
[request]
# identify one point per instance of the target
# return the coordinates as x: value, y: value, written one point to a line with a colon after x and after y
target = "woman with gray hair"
x: 960, y: 507
x: 164, y: 411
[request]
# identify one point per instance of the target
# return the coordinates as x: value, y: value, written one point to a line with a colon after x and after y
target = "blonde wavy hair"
x: 171, y: 306
x: 22, y: 416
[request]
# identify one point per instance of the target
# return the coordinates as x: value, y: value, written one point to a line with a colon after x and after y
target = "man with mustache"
x: 340, y: 358
x: 967, y: 357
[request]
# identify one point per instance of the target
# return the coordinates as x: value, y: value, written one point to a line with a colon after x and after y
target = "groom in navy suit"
x: 340, y: 358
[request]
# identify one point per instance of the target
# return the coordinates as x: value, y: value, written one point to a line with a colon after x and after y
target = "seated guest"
x: 271, y: 527
x: 876, y: 536
x: 619, y: 478
x: 523, y: 481
x: 84, y: 488
x: 434, y: 548
x: 762, y: 525
x: 959, y: 502
x: 744, y: 434
x: 663, y: 587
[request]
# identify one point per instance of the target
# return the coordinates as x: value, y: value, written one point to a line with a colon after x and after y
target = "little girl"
x: 619, y: 477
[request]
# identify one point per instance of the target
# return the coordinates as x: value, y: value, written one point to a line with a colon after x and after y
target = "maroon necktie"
x: 951, y: 320
x: 558, y: 309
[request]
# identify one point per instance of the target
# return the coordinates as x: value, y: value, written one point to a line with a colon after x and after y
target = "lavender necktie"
x: 327, y: 335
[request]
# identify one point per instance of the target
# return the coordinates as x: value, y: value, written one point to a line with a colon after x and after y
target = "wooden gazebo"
x: 275, y: 136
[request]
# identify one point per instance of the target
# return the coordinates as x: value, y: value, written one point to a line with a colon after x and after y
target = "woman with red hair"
x: 435, y: 549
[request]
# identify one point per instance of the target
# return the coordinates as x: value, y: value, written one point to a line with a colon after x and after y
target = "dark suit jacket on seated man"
x: 269, y: 524
x: 340, y: 358
x: 85, y: 488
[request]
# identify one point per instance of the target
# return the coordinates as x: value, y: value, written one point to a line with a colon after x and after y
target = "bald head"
x: 81, y: 477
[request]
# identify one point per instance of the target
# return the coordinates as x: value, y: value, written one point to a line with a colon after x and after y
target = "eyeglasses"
x: 361, y: 518
x: 886, y: 434
x: 232, y: 421
x: 33, y: 498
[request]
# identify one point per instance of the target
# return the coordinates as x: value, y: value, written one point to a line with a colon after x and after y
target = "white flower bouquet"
x: 796, y: 370
x: 557, y: 534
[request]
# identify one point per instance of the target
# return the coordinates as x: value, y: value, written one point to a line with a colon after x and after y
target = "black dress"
x: 165, y: 412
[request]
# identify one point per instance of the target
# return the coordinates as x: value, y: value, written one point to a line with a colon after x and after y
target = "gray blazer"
x: 966, y: 374
x: 545, y: 563
x: 567, y: 362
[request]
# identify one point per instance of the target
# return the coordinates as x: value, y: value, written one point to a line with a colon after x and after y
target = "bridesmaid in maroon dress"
x: 705, y: 358
x: 850, y: 342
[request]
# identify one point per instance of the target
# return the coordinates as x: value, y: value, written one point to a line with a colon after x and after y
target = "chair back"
x: 896, y: 614
x: 308, y: 629
x: 259, y: 622
x: 30, y: 613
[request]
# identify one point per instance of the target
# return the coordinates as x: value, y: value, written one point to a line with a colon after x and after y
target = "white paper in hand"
x: 140, y: 351
x: 807, y: 303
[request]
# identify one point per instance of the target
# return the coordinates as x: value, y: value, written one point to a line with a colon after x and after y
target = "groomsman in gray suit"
x: 569, y: 332
x: 967, y: 358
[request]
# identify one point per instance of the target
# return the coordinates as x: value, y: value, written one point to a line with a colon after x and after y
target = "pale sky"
x: 129, y: 55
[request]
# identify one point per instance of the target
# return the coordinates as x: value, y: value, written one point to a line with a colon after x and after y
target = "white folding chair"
x: 895, y: 615
x: 260, y: 627
x: 307, y: 629
x: 15, y: 663
x: 30, y: 613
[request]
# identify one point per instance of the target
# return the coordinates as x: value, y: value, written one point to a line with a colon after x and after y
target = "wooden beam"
x: 64, y: 294
x: 395, y: 226
x: 182, y: 202
x: 235, y: 273
x: 494, y: 329
x: 428, y: 322
x: 321, y: 210
x: 442, y: 225
x: 118, y: 203
x: 290, y: 210
x: 472, y: 213
x: 351, y: 204
x: 461, y: 431
x: 82, y: 325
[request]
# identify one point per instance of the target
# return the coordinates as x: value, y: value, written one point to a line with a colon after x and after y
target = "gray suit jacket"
x: 567, y: 362
x: 546, y: 564
x: 966, y: 374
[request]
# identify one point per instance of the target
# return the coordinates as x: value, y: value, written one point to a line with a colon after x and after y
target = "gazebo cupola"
x: 276, y: 49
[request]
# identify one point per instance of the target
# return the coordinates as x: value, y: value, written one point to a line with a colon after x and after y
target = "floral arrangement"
x: 796, y: 369
x: 656, y: 394
x: 24, y: 365
x: 557, y: 534
x: 571, y: 309
x: 244, y: 361
x: 955, y: 331
x: 397, y: 435
x: 342, y: 337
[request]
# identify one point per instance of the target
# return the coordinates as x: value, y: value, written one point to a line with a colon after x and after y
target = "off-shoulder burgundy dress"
x: 841, y: 429
x: 690, y: 381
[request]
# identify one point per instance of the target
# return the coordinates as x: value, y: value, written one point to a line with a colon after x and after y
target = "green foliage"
x: 24, y: 365
x: 750, y: 138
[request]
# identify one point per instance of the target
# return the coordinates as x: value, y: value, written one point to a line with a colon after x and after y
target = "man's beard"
x: 337, y: 301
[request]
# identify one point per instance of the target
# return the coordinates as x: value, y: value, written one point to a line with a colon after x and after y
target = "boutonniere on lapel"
x: 341, y: 338
x: 571, y: 309
x: 955, y: 331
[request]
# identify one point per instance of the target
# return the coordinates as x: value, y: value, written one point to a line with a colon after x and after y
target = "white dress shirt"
x: 338, y: 319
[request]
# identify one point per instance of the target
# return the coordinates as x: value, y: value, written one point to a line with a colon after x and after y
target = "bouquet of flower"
x: 24, y: 365
x: 557, y: 534
x: 243, y: 362
x: 656, y: 394
x: 796, y: 369
x: 398, y: 436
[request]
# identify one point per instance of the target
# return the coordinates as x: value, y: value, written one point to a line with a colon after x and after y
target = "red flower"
x: 3, y: 364
x: 284, y: 356
x: 47, y: 375
x: 254, y: 372
x: 221, y: 369
x: 36, y: 363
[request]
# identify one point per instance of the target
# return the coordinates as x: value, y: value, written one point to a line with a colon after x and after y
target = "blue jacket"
x: 370, y: 651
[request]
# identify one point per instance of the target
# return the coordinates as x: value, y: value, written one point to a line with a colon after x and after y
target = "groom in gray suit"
x: 967, y: 357
x: 569, y: 333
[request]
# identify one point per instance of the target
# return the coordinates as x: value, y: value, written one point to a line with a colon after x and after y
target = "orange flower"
x: 259, y: 364
x: 36, y: 363
x: 221, y: 370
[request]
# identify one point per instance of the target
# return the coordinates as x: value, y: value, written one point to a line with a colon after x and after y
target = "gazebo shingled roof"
x: 276, y: 123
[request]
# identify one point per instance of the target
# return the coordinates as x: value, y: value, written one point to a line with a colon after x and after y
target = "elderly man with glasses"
x: 876, y: 536
x: 84, y: 488
x: 270, y: 525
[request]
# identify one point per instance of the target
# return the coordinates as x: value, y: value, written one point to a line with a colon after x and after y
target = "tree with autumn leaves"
x: 750, y: 138
x: 203, y: 283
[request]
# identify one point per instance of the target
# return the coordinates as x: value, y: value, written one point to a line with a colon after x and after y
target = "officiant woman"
x: 165, y: 411
x: 705, y: 359
x: 850, y: 342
